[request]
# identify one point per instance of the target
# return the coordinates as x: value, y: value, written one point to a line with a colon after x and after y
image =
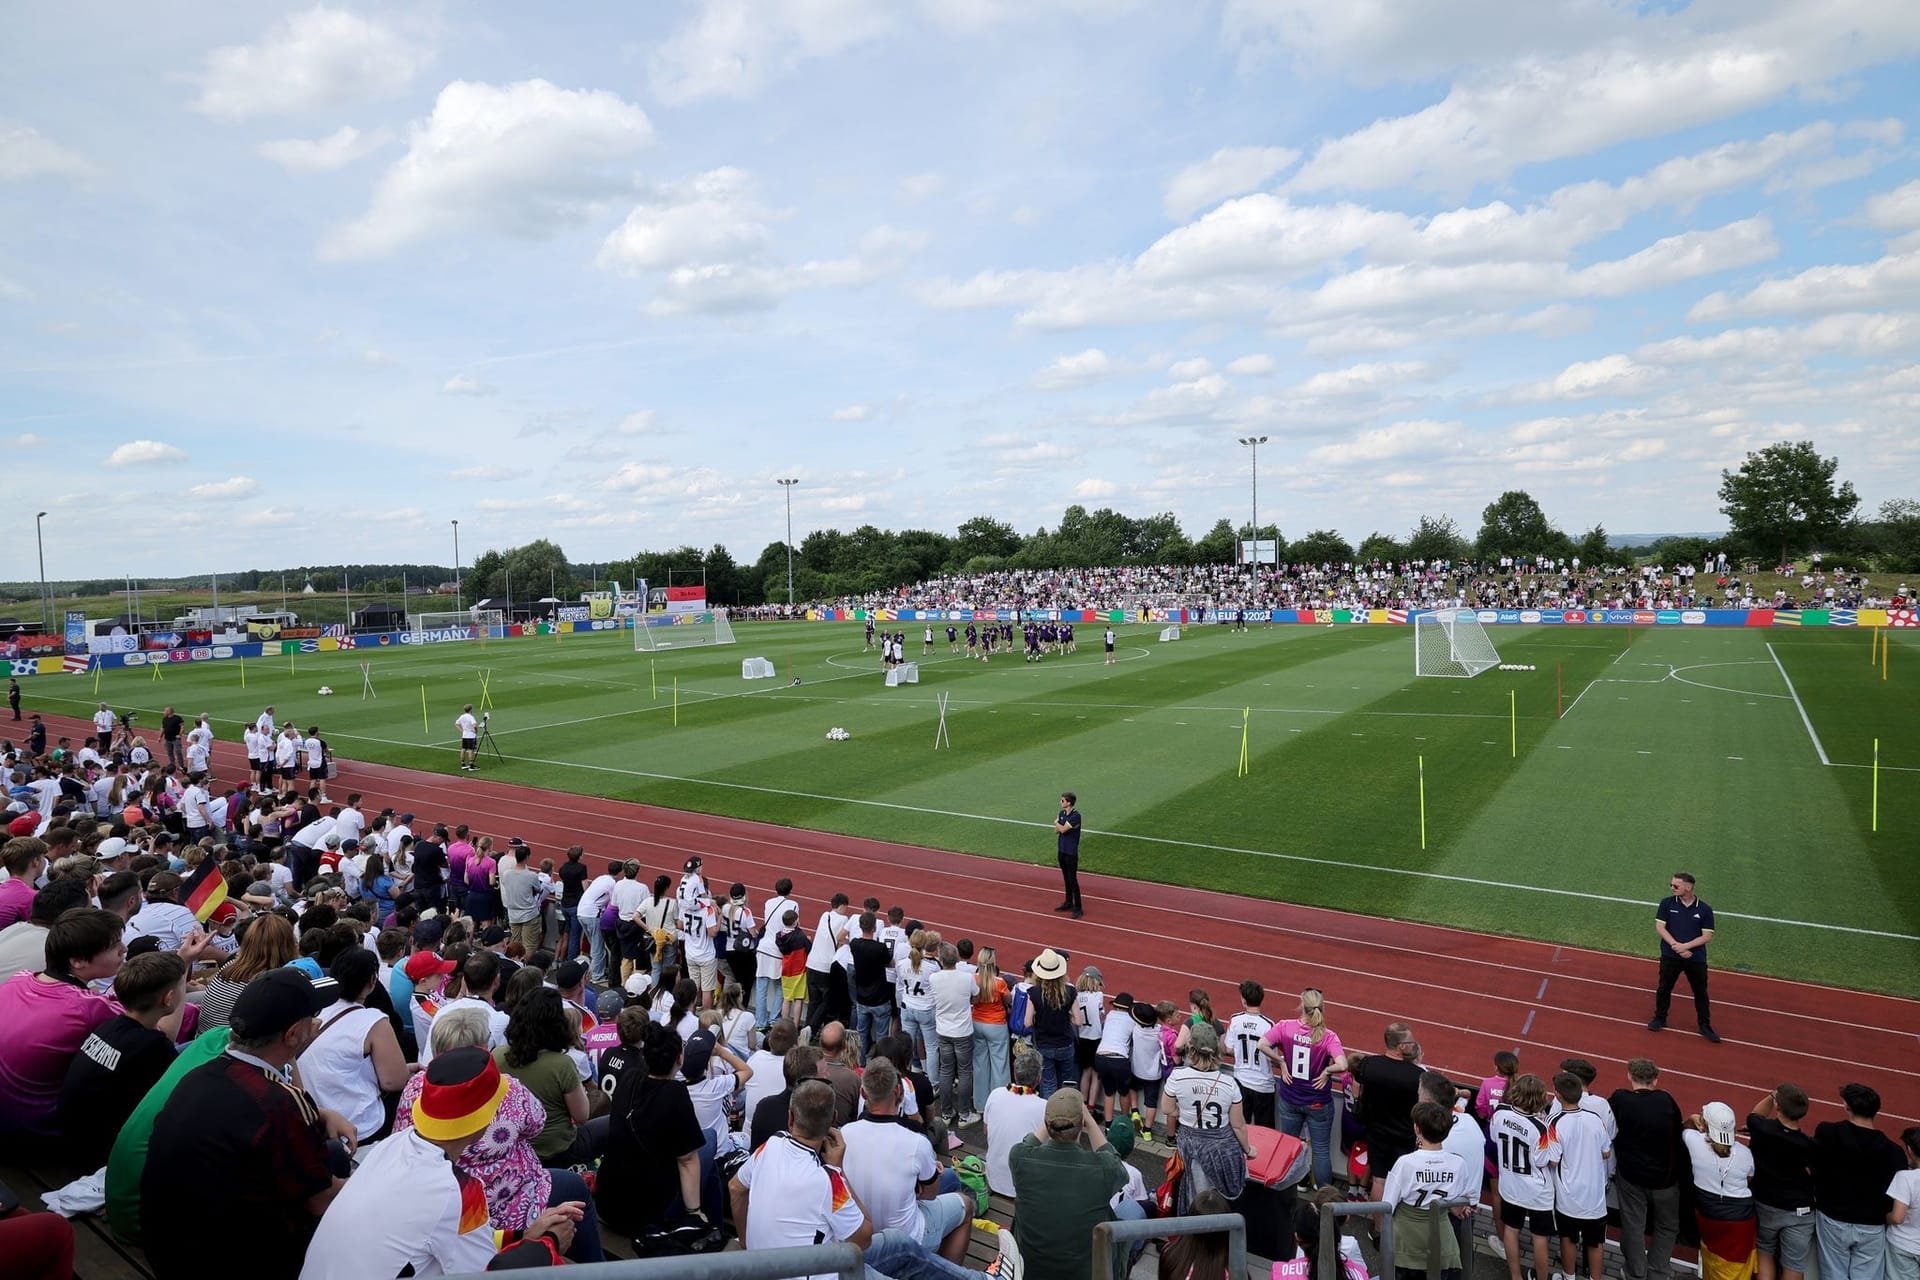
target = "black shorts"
x: 1109, y: 648
x: 1083, y: 1052
x: 1149, y: 1090
x: 468, y: 744
x: 316, y: 772
x: 1588, y: 1233
x: 1115, y: 1074
x: 1538, y: 1221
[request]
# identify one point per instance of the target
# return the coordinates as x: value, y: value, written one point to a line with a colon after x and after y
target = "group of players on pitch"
x: 1040, y: 638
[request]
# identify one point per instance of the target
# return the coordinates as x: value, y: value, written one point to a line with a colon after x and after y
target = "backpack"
x: 972, y: 1171
x: 1017, y: 1015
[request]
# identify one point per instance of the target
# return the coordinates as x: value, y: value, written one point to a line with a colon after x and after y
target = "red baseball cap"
x: 422, y: 965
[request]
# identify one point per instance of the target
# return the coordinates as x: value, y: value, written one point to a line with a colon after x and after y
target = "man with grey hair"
x: 894, y: 1172
x: 1012, y: 1113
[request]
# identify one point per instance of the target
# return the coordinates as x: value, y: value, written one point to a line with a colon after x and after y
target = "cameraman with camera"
x: 469, y: 738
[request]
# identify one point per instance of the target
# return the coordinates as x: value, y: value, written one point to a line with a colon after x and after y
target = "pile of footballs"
x: 1517, y: 666
x: 324, y: 690
x: 837, y: 734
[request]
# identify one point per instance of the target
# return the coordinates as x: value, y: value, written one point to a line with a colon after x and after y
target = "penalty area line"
x: 1799, y: 706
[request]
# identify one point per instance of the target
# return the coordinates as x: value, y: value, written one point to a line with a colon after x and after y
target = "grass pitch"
x: 1742, y: 756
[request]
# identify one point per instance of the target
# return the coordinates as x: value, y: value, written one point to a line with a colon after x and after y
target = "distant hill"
x: 1648, y: 539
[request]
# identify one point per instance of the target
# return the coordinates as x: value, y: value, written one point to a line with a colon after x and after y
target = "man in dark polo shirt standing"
x: 1067, y: 830
x: 170, y: 726
x: 1685, y: 926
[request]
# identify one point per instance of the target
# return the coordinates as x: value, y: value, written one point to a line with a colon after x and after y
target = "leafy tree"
x: 1218, y: 546
x: 1593, y: 548
x: 1154, y: 536
x: 482, y: 580
x: 1322, y: 546
x: 726, y: 584
x: 1784, y: 496
x: 1379, y: 546
x: 984, y: 536
x: 1436, y: 538
x: 1514, y: 525
x: 825, y: 551
x: 1671, y: 551
x: 1895, y: 535
x: 541, y: 567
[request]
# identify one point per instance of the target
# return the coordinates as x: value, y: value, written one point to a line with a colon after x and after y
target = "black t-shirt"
x: 252, y: 1144
x: 652, y: 1125
x: 113, y: 1070
x: 1782, y: 1164
x: 1390, y: 1086
x: 429, y: 865
x: 573, y: 882
x: 617, y: 1063
x: 1648, y: 1143
x: 769, y: 1117
x: 1852, y: 1166
x: 170, y: 726
x: 870, y: 960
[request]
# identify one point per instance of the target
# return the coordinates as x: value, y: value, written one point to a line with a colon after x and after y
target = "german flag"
x: 205, y: 889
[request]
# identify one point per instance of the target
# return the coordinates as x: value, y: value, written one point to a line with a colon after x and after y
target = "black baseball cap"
x: 278, y: 999
x: 568, y: 974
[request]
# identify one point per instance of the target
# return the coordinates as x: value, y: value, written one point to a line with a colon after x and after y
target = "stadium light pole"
x: 1254, y: 443
x: 787, y: 487
x: 46, y: 617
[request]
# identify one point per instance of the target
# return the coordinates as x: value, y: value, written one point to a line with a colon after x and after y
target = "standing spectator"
x: 1646, y: 1150
x: 1089, y: 1017
x: 1524, y: 1142
x: 699, y: 924
x: 1579, y: 1177
x: 595, y: 899
x: 1722, y: 1194
x: 1903, y: 1231
x: 1307, y: 1055
x: 521, y: 898
x: 872, y: 993
x: 1420, y: 1182
x: 1206, y: 1122
x: 1685, y: 926
x: 1782, y: 1183
x: 1493, y: 1088
x: 170, y: 726
x: 1068, y: 1189
x: 1066, y: 827
x: 1246, y: 1032
x: 1011, y: 1114
x: 991, y: 1040
x: 1465, y: 1140
x: 1852, y: 1164
x: 1050, y: 1021
x: 953, y: 1021
x: 830, y: 935
x: 1388, y: 1085
x: 917, y: 1016
x: 767, y: 997
x: 430, y: 870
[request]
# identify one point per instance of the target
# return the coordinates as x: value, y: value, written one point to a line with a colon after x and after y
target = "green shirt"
x: 129, y: 1156
x: 1412, y: 1234
x: 550, y: 1078
x: 1062, y: 1191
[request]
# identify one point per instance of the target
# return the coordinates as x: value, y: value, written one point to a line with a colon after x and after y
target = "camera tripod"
x: 487, y: 744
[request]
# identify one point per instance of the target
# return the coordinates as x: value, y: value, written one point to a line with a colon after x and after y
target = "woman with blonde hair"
x: 1089, y: 1019
x: 1307, y: 1055
x: 269, y: 944
x: 1050, y: 1020
x: 916, y: 996
x: 1206, y: 1122
x: 990, y: 1036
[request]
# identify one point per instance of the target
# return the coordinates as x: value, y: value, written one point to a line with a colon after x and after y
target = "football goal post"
x: 681, y: 631
x: 445, y: 626
x: 1452, y: 642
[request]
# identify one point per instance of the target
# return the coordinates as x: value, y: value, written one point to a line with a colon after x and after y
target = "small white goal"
x: 1170, y: 633
x: 756, y: 669
x: 1453, y: 643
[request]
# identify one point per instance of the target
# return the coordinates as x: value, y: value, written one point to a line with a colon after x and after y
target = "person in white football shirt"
x: 199, y: 753
x: 103, y: 727
x: 698, y: 924
x: 889, y: 1166
x: 1417, y: 1185
x: 469, y: 738
x: 1579, y: 1176
x: 1246, y: 1031
x: 766, y: 958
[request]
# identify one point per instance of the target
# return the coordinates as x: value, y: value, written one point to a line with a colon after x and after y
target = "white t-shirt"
x: 168, y: 921
x: 769, y: 942
x: 594, y: 900
x: 884, y: 1162
x: 1727, y: 1175
x: 1204, y: 1098
x: 1010, y: 1117
x: 1524, y: 1150
x: 1149, y: 1056
x: 467, y: 725
x: 1905, y: 1188
x: 694, y: 923
x: 200, y: 733
x: 265, y: 723
x: 350, y: 824
x: 952, y: 1002
x: 316, y: 753
x: 916, y: 986
x: 1245, y: 1031
x: 1424, y: 1177
x: 1116, y: 1035
x: 795, y: 1199
x: 405, y: 1206
x: 103, y: 721
x: 1093, y: 1008
x: 315, y: 833
x: 1466, y: 1141
x: 286, y: 751
x: 1580, y: 1175
x: 710, y: 1094
x: 767, y: 1079
x: 1599, y: 1106
x: 198, y: 756
x: 825, y: 941
x: 193, y: 807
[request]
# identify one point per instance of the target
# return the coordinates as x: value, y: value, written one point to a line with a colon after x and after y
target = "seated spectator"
x: 48, y: 1016
x: 25, y: 859
x: 1723, y: 1205
x: 122, y: 1058
x: 238, y: 1134
x: 163, y: 917
x: 837, y: 1069
x: 894, y: 1172
x: 651, y: 1175
x: 536, y: 1053
x: 1012, y: 1113
x: 354, y: 1062
x: 767, y: 1077
x: 409, y: 1209
x: 23, y: 946
x: 713, y: 1075
x: 801, y: 1064
x: 1201, y: 1256
x: 1065, y: 1190
x: 268, y: 944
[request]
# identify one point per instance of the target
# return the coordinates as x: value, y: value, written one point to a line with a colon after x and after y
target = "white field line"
x: 1799, y: 706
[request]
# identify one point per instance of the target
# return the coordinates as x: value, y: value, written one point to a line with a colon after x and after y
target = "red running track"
x: 1465, y: 994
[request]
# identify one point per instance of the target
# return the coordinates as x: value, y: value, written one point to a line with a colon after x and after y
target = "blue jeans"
x: 898, y: 1255
x: 989, y: 1061
x: 597, y: 946
x: 568, y: 1185
x: 1317, y: 1121
x: 919, y: 1026
x: 570, y: 930
x: 1058, y: 1070
x: 767, y: 1001
x: 1124, y: 1255
x: 1849, y: 1251
x: 870, y: 1023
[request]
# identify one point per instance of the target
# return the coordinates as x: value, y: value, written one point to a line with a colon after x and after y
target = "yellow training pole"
x: 1513, y: 724
x: 1245, y: 716
x: 1876, y: 784
x: 243, y: 673
x: 96, y: 675
x: 425, y: 727
x: 1423, y: 802
x: 1873, y: 648
x: 653, y: 679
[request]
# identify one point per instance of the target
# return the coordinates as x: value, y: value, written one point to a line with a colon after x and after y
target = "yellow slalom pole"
x: 1423, y: 802
x: 1513, y: 724
x: 96, y: 675
x: 1245, y: 764
x: 425, y: 727
x: 1876, y: 784
x: 653, y: 678
x: 1873, y: 649
x: 243, y: 673
x: 676, y: 702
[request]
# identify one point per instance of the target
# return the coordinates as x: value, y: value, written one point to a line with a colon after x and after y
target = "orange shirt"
x: 993, y: 1009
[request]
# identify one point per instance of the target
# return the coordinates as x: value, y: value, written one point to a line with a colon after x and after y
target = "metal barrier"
x: 1108, y: 1234
x: 1329, y: 1265
x: 843, y: 1260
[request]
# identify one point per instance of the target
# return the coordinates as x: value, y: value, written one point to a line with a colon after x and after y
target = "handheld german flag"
x: 205, y: 889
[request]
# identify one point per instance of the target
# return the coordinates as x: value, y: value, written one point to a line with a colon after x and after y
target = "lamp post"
x: 1254, y: 443
x: 46, y: 615
x: 456, y: 565
x: 787, y: 486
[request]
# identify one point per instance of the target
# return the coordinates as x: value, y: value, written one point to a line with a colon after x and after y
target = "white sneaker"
x: 970, y: 1118
x: 1498, y: 1246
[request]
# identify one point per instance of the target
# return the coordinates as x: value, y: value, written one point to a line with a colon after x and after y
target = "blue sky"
x: 328, y: 277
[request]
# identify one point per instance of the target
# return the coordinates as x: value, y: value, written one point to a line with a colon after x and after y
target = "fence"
x: 1329, y: 1264
x: 842, y: 1260
x: 1108, y: 1234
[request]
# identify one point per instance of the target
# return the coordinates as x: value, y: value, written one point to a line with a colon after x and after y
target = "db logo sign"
x: 1576, y: 615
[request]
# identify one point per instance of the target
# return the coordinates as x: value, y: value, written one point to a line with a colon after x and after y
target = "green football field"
x: 1743, y: 756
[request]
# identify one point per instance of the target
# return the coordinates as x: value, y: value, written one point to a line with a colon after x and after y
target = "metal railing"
x: 843, y: 1260
x: 1125, y: 1231
x: 1329, y: 1264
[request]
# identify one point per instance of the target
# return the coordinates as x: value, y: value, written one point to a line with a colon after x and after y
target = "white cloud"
x: 1361, y: 379
x: 1187, y: 370
x: 922, y: 186
x: 731, y: 48
x: 752, y: 286
x: 377, y: 358
x: 323, y: 155
x: 26, y: 440
x: 269, y: 518
x: 13, y: 289
x: 1892, y: 280
x: 1400, y: 440
x: 1076, y: 370
x: 1896, y: 210
x: 1092, y: 488
x: 25, y: 153
x: 522, y: 159
x: 1227, y: 172
x: 713, y: 217
x: 853, y: 413
x: 464, y: 384
x: 217, y: 490
x: 313, y: 59
x: 638, y: 476
x: 638, y: 424
x: 1253, y: 366
x: 1612, y: 375
x: 844, y: 502
x: 1862, y: 334
x: 481, y: 473
x: 140, y: 453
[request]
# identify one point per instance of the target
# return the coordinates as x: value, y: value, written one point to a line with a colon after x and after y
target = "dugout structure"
x: 1452, y: 643
x: 681, y: 631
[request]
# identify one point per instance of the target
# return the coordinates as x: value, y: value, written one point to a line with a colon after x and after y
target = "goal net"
x: 681, y: 631
x: 444, y: 626
x: 1452, y: 642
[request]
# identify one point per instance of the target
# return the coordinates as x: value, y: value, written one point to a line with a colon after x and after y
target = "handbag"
x: 1166, y: 1197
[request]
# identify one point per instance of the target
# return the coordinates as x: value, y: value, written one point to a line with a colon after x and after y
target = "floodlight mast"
x: 1254, y: 443
x: 786, y: 487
